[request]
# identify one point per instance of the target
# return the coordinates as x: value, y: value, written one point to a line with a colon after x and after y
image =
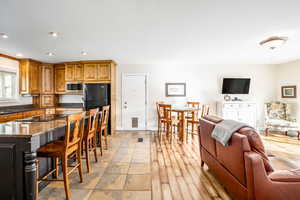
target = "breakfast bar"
x: 19, y: 141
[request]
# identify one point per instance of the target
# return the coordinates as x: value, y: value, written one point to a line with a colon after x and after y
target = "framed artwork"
x: 175, y: 89
x: 289, y: 91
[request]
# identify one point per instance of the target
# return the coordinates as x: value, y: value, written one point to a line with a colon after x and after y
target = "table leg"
x: 183, y: 127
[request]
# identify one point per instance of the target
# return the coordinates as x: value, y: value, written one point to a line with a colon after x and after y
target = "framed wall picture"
x: 175, y: 89
x: 289, y: 91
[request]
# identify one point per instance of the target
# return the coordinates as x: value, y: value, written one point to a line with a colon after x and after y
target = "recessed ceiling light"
x: 273, y: 42
x: 3, y: 35
x: 53, y: 34
x: 83, y: 53
x: 50, y: 54
x: 19, y: 55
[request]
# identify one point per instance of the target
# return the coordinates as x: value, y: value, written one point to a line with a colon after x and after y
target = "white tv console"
x: 242, y: 111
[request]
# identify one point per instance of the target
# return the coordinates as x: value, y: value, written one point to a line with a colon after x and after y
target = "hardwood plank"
x: 161, y: 162
x: 166, y: 192
x: 176, y: 194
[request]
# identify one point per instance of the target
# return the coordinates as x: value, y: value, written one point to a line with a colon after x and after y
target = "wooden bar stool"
x: 104, y: 125
x: 89, y: 137
x: 64, y: 150
x: 99, y: 136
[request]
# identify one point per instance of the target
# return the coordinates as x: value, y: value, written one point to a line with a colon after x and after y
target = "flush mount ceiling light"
x: 19, y: 55
x: 53, y: 34
x: 273, y: 42
x: 3, y: 35
x: 83, y: 53
x: 50, y: 54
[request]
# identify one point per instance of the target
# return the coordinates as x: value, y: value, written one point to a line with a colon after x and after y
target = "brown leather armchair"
x: 243, y: 167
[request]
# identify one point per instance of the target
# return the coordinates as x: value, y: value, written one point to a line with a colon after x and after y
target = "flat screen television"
x: 236, y: 86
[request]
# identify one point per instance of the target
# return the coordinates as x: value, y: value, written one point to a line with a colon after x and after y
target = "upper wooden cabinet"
x: 60, y: 84
x: 79, y: 72
x: 29, y: 77
x: 47, y: 82
x: 103, y: 73
x: 90, y: 72
x: 74, y: 72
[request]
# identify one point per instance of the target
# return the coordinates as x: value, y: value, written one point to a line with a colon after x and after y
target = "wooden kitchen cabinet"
x: 79, y: 72
x: 48, y: 100
x: 74, y: 72
x: 29, y: 77
x: 103, y: 73
x: 70, y: 72
x: 47, y: 83
x: 59, y: 79
x: 44, y: 101
x: 90, y: 72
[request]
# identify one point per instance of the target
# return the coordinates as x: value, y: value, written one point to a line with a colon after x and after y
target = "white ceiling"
x: 151, y: 31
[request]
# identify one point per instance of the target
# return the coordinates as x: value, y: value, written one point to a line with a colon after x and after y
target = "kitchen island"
x: 19, y: 141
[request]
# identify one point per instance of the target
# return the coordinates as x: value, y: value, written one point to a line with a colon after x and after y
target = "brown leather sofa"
x: 243, y: 167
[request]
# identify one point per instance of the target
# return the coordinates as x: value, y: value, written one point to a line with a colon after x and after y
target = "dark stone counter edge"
x: 29, y: 136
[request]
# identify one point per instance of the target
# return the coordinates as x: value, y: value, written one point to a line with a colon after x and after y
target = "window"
x: 8, y: 86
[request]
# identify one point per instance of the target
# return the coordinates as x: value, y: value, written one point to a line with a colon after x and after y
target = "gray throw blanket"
x: 224, y: 130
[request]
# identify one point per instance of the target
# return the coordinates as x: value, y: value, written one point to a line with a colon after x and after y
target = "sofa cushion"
x: 256, y: 145
x: 285, y: 175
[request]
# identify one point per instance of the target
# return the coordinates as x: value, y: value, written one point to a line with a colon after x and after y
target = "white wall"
x: 13, y: 65
x: 70, y: 98
x: 203, y: 84
x: 289, y: 74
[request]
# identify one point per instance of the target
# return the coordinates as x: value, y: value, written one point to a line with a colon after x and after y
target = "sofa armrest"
x: 285, y: 175
x: 267, y: 186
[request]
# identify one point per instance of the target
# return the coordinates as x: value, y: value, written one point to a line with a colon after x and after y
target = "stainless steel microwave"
x: 74, y: 88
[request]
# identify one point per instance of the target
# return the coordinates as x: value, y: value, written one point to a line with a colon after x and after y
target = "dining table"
x: 182, y: 112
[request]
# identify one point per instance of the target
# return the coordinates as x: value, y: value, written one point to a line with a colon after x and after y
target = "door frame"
x: 146, y: 75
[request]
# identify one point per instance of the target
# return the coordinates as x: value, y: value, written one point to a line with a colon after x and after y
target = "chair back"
x: 105, y: 116
x: 205, y: 110
x: 74, y: 136
x: 164, y: 111
x: 194, y: 114
x: 93, y: 122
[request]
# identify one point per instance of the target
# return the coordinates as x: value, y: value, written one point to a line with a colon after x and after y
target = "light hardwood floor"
x: 130, y: 170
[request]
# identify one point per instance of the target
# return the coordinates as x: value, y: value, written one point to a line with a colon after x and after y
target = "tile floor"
x: 123, y: 172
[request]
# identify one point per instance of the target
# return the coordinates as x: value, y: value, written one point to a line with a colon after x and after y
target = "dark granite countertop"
x: 29, y: 107
x: 29, y: 129
x: 16, y: 109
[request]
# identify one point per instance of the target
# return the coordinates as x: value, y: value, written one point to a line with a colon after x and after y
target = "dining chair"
x: 169, y: 122
x: 205, y: 110
x: 65, y: 150
x: 103, y: 128
x: 192, y: 117
x: 89, y: 137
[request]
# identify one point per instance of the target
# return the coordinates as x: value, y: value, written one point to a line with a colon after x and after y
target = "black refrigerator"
x: 96, y: 95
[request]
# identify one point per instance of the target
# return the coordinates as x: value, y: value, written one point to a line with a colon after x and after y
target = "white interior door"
x: 134, y: 101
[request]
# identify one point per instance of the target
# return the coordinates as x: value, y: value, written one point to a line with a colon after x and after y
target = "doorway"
x: 134, y: 101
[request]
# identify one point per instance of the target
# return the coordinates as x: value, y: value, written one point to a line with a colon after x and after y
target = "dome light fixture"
x: 273, y: 42
x: 3, y: 35
x: 50, y: 54
x: 53, y: 34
